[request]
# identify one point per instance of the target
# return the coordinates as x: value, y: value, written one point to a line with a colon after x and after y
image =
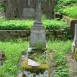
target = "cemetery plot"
x: 13, y: 50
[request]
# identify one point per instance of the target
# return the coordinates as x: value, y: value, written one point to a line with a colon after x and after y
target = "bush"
x: 60, y: 49
x: 27, y: 24
x: 70, y: 11
x: 67, y: 7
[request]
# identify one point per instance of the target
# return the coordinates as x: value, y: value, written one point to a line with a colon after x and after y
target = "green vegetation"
x: 41, y: 68
x: 26, y: 24
x: 70, y: 11
x: 14, y: 48
x: 60, y: 49
x: 67, y: 7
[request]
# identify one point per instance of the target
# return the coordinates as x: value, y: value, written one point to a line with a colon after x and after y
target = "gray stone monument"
x: 37, y: 41
x: 38, y: 33
x: 74, y: 44
x: 73, y: 72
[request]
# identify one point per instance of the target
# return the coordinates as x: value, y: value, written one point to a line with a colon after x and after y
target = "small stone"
x: 20, y: 75
x: 32, y: 63
x: 29, y: 49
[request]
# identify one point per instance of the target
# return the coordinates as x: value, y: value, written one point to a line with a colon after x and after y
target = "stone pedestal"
x: 38, y: 36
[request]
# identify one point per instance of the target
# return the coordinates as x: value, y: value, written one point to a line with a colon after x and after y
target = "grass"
x: 67, y: 7
x: 70, y: 11
x: 14, y: 48
x: 60, y: 49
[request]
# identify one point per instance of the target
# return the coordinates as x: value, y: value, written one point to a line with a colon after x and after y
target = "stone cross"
x: 38, y: 11
x: 28, y: 2
x: 38, y: 33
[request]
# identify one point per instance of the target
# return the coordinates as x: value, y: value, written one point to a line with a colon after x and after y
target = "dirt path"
x: 72, y: 65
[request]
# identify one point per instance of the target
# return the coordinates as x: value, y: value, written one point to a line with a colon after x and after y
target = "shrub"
x: 27, y: 24
x: 60, y: 49
x: 67, y: 7
x: 70, y: 11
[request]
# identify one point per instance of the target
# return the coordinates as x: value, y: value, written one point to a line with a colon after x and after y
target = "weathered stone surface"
x: 70, y: 22
x: 38, y: 34
x: 72, y: 26
x: 14, y: 33
x: 32, y: 63
x: 38, y: 37
x: 29, y: 74
x: 74, y: 44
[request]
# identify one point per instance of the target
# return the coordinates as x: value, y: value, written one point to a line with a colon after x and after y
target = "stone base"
x: 38, y: 36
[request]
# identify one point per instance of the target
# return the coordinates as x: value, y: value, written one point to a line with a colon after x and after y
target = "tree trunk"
x: 11, y: 9
x: 14, y: 8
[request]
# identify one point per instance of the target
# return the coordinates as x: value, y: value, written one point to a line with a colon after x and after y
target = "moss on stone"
x: 37, y: 70
x: 38, y: 56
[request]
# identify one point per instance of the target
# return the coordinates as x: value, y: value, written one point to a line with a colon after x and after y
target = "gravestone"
x: 38, y: 33
x: 37, y: 48
x: 74, y: 50
x: 72, y: 26
x: 74, y: 44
